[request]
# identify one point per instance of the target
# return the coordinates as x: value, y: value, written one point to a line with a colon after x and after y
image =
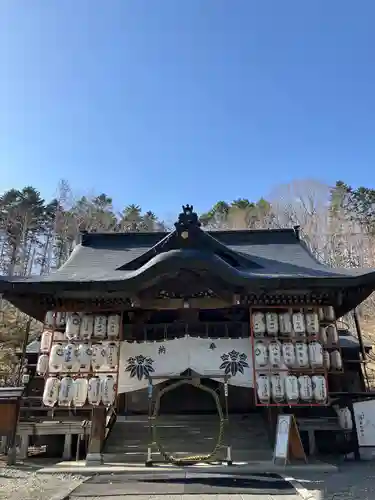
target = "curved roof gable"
x: 241, y: 258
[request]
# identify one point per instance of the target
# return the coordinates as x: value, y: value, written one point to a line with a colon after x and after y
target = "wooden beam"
x: 97, y: 436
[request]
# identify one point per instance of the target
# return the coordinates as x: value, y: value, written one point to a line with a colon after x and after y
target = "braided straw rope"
x: 168, y: 457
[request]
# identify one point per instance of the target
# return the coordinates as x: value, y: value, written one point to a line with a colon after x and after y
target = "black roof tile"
x: 264, y: 253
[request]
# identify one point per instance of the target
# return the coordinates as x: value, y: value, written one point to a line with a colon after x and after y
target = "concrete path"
x: 354, y: 481
x: 187, y: 485
x: 240, y: 468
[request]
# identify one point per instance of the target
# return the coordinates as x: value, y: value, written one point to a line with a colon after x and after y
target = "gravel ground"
x: 21, y: 483
x: 354, y: 481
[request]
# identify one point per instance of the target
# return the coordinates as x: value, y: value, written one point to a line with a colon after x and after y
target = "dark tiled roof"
x: 225, y: 261
x: 234, y: 261
x: 33, y: 347
x: 264, y: 254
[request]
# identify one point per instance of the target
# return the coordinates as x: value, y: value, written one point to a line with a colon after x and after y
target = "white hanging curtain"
x: 233, y: 357
x: 207, y: 357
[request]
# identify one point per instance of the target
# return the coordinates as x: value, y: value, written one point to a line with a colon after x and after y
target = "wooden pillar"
x: 25, y: 439
x: 67, y: 453
x: 97, y: 435
x: 12, y: 449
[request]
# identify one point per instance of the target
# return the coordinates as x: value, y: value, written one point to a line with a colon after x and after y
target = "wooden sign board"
x: 288, y: 444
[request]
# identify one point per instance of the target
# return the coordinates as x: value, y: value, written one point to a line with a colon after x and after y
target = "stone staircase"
x: 184, y: 435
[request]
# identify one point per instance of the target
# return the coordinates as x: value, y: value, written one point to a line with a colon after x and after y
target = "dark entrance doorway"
x: 189, y: 399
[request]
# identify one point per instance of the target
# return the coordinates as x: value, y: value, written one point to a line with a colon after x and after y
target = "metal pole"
x: 229, y: 443
x: 149, y: 447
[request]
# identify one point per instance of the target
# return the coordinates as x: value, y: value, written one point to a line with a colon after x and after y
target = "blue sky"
x: 163, y: 102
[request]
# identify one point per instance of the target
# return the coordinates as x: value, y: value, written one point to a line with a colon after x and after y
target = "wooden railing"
x: 230, y: 329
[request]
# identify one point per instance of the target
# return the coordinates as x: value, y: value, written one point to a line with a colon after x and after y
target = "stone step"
x: 186, y: 431
x: 192, y: 435
x: 240, y: 441
x: 140, y: 456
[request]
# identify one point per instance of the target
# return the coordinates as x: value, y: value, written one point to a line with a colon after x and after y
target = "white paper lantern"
x: 332, y: 335
x: 98, y: 356
x: 289, y: 354
x: 305, y: 388
x: 94, y: 391
x: 66, y: 391
x: 100, y: 326
x: 291, y: 388
x: 46, y: 341
x: 321, y: 314
x: 312, y: 323
x: 319, y: 385
x: 108, y: 390
x: 58, y: 336
x: 345, y: 419
x: 298, y: 322
x: 60, y: 319
x: 285, y: 323
x: 329, y: 313
x: 323, y: 335
x: 302, y: 357
x: 316, y: 354
x: 336, y: 360
x: 87, y: 327
x: 84, y: 353
x: 263, y: 388
x: 272, y: 323
x: 49, y: 320
x: 274, y: 349
x: 111, y: 355
x: 80, y: 391
x: 51, y: 391
x: 42, y: 364
x: 277, y: 388
x: 258, y: 321
x: 113, y: 326
x: 71, y: 362
x: 73, y: 325
x: 56, y: 358
x: 326, y: 360
x: 261, y: 353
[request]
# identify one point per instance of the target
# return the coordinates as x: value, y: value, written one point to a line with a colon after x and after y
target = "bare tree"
x: 331, y: 231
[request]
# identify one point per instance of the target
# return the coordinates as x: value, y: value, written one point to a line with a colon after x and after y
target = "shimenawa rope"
x: 168, y: 457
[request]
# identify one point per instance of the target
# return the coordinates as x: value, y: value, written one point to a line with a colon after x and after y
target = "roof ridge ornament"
x: 188, y: 219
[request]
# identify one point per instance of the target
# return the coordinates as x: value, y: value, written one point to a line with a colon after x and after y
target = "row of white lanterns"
x: 300, y: 354
x: 290, y: 323
x: 344, y: 418
x: 83, y: 357
x: 80, y: 326
x: 291, y: 388
x: 76, y: 392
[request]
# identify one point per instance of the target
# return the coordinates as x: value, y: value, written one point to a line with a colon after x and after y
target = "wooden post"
x: 10, y: 402
x: 94, y: 454
x: 67, y: 453
x: 11, y: 453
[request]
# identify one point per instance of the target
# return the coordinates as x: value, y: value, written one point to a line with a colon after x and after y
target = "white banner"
x: 364, y: 413
x: 207, y: 357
